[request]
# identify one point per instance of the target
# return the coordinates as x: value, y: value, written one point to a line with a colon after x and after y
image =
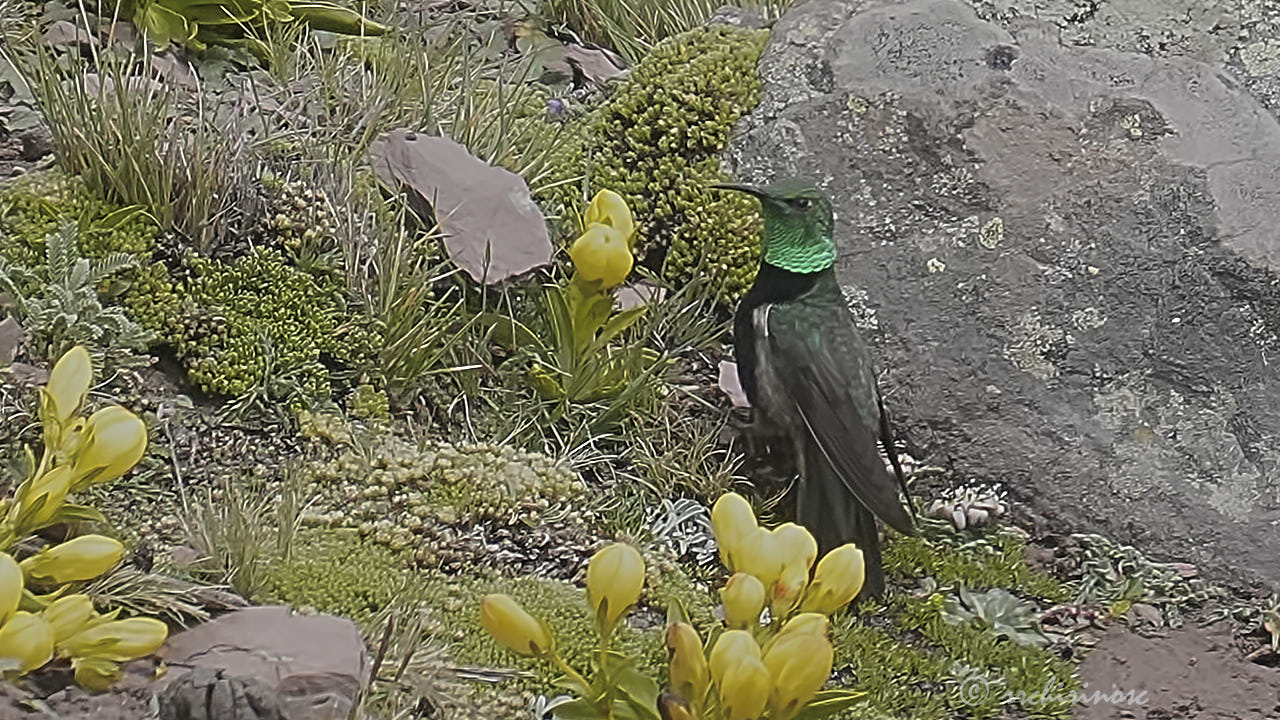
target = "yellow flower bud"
x: 804, y: 623
x: 731, y: 647
x: 799, y: 665
x: 601, y: 255
x: 836, y: 582
x: 118, y: 640
x: 615, y: 577
x: 732, y: 522
x: 743, y: 598
x: 10, y: 586
x: 96, y: 674
x: 798, y: 545
x: 26, y: 643
x: 688, y: 668
x: 510, y: 625
x: 69, y: 383
x: 39, y: 500
x: 83, y: 558
x: 68, y: 616
x: 787, y: 590
x: 114, y: 441
x: 745, y: 690
x: 609, y: 209
x: 761, y: 556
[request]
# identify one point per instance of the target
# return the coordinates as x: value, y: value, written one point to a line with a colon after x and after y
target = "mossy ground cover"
x: 311, y: 460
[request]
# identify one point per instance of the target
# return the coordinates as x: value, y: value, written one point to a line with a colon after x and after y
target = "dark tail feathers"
x: 828, y: 510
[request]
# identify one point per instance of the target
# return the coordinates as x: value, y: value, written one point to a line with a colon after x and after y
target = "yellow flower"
x: 118, y: 640
x: 799, y: 665
x: 114, y: 441
x: 26, y: 643
x: 601, y: 255
x: 787, y: 590
x: 802, y: 624
x: 732, y: 522
x: 69, y: 384
x: 688, y: 667
x: 615, y: 577
x: 10, y: 586
x: 96, y: 674
x: 761, y: 556
x: 743, y: 598
x: 39, y: 500
x: 730, y: 648
x: 68, y: 616
x: 837, y: 580
x: 745, y: 690
x: 83, y: 558
x: 798, y: 546
x: 609, y: 209
x: 510, y: 625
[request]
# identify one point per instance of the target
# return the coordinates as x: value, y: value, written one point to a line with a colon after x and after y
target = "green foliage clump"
x: 60, y: 304
x: 657, y: 144
x: 995, y: 560
x: 407, y: 498
x: 32, y: 207
x: 369, y: 402
x: 334, y: 571
x: 261, y: 322
x: 901, y: 680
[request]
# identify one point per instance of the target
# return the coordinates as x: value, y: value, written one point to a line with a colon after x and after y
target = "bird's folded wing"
x: 834, y: 389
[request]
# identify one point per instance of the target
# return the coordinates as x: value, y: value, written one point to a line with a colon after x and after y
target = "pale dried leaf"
x: 729, y: 384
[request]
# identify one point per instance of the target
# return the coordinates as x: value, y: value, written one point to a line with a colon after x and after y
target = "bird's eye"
x: 803, y: 203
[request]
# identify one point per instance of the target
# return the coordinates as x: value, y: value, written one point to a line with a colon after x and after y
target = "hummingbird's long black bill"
x: 749, y: 189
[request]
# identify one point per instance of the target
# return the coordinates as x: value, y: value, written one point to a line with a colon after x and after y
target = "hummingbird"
x: 807, y: 373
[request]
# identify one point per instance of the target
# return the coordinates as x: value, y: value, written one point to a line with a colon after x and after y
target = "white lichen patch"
x: 1132, y: 123
x: 934, y: 265
x: 1161, y: 433
x: 1090, y: 318
x: 856, y: 299
x: 992, y: 233
x: 1032, y: 339
x: 1261, y: 59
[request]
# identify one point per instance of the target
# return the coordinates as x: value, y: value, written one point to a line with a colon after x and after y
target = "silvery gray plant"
x: 684, y: 526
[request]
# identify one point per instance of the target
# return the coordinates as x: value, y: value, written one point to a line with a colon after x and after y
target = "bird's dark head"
x: 797, y: 224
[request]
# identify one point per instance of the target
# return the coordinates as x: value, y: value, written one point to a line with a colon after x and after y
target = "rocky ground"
x: 1056, y: 231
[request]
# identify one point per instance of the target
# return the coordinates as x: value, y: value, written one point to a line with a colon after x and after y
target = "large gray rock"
x: 1064, y: 255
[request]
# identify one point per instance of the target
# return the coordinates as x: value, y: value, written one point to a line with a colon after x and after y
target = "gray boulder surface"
x: 1060, y: 231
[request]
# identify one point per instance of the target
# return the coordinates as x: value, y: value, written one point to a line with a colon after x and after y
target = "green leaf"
x: 829, y: 702
x: 508, y: 332
x: 70, y: 513
x: 578, y: 710
x: 164, y: 26
x: 618, y: 323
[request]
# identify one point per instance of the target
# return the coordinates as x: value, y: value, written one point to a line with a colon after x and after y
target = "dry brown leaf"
x: 477, y: 205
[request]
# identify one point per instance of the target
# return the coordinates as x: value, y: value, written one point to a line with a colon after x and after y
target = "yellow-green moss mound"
x: 657, y: 143
x: 430, y: 501
x: 261, y: 322
x: 335, y: 571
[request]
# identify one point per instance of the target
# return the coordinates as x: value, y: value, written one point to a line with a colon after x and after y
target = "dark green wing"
x: 826, y: 371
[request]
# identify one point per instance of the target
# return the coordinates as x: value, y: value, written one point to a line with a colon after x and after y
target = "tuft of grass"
x: 139, y: 140
x: 633, y: 28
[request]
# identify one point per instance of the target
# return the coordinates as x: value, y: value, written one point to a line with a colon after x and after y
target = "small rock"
x: 736, y: 17
x: 730, y: 386
x: 11, y: 335
x: 63, y: 33
x: 316, y: 663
